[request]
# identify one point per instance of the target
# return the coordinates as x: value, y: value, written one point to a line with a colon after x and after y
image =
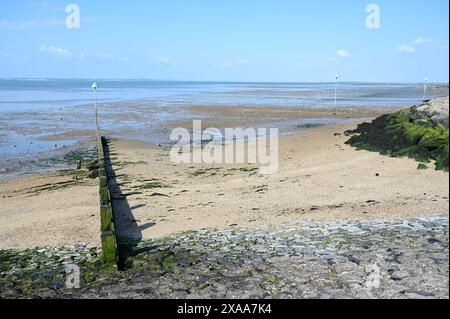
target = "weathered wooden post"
x: 107, y: 226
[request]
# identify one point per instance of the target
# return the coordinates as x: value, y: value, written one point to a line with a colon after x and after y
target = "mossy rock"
x: 168, y: 263
x: 400, y: 134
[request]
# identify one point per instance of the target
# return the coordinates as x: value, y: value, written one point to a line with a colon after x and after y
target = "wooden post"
x: 106, y: 218
x: 109, y: 248
x: 107, y: 226
x: 103, y: 182
x: 101, y: 171
x: 104, y: 196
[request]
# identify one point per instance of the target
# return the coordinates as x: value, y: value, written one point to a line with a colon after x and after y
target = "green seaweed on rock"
x: 404, y: 133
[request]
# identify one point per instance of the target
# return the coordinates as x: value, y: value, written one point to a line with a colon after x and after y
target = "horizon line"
x: 43, y: 79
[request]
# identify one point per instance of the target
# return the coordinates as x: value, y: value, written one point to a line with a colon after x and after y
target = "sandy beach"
x: 195, y: 151
x: 319, y: 178
x: 48, y: 209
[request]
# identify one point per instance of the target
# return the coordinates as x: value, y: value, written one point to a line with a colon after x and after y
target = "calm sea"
x: 29, y: 95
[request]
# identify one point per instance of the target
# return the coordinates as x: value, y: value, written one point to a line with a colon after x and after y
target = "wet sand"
x: 319, y: 178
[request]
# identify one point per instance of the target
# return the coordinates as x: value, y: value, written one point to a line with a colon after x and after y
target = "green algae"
x: 404, y: 134
x: 40, y: 273
x: 158, y: 194
x: 83, y: 155
x: 309, y: 125
x: 167, y: 263
x: 151, y: 184
x: 205, y: 171
x: 122, y: 164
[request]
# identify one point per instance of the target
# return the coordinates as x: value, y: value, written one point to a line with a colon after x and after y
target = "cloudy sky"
x: 233, y: 40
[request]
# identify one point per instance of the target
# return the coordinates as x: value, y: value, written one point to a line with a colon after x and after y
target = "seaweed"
x: 83, y: 155
x: 154, y: 183
x: 404, y: 133
x: 309, y: 125
x: 205, y: 171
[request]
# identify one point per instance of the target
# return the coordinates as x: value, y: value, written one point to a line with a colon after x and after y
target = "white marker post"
x: 95, y: 86
x: 425, y: 89
x: 335, y: 94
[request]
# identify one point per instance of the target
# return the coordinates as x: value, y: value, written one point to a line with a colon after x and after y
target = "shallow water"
x: 20, y: 95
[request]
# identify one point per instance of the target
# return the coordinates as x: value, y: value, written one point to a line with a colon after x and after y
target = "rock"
x: 416, y: 294
x: 440, y: 119
x: 305, y: 259
x: 424, y: 122
x: 437, y: 110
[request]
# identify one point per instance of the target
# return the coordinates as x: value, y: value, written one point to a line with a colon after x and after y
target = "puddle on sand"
x: 19, y: 144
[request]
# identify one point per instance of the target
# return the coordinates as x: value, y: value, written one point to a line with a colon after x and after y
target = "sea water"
x: 31, y: 110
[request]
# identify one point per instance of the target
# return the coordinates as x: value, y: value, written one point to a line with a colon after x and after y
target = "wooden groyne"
x: 107, y: 223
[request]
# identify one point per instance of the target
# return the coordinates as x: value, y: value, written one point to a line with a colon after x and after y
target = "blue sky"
x: 233, y: 40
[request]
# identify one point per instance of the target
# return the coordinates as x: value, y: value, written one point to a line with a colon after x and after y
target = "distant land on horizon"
x: 43, y: 79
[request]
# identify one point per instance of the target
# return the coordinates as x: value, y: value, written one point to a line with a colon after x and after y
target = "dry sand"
x: 319, y: 177
x: 48, y: 209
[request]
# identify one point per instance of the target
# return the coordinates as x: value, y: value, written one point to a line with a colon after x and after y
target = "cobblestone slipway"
x: 404, y: 258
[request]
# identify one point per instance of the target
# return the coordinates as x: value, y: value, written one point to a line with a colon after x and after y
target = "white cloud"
x: 342, y: 53
x: 405, y: 48
x: 34, y: 24
x: 48, y: 6
x: 26, y: 25
x: 82, y: 55
x: 163, y: 60
x: 57, y: 52
x: 411, y: 48
x: 421, y: 40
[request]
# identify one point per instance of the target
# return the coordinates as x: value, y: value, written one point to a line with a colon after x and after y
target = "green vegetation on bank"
x: 84, y: 155
x: 405, y: 133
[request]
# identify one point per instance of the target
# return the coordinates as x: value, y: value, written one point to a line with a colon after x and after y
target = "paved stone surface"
x: 336, y: 259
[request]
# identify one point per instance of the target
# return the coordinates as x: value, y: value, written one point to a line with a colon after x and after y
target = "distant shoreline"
x: 44, y: 79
